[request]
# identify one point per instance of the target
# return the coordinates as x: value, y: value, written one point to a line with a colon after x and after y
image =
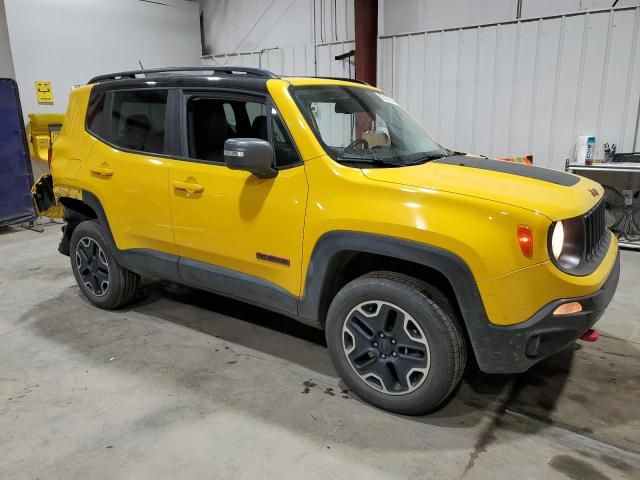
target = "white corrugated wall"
x: 529, y: 86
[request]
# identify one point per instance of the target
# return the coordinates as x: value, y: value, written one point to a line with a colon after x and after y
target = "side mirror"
x: 250, y: 154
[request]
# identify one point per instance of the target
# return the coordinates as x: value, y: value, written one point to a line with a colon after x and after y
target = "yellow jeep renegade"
x: 322, y: 199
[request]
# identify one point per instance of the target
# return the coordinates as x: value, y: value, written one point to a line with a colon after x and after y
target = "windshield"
x: 362, y: 126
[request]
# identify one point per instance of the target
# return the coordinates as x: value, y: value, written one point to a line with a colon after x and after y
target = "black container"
x: 627, y: 157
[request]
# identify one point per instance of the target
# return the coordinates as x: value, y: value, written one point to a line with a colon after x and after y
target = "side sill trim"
x: 230, y: 283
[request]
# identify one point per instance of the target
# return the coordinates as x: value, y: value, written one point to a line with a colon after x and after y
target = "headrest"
x: 211, y: 124
x: 259, y: 127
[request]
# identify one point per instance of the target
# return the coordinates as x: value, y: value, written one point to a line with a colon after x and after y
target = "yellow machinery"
x: 42, y: 130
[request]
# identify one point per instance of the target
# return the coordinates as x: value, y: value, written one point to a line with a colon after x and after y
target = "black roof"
x: 243, y: 78
x: 238, y: 77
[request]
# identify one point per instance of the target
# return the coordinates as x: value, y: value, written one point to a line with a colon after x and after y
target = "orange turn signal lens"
x: 568, y: 308
x: 525, y: 240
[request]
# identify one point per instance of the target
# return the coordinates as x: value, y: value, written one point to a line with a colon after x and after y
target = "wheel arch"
x: 88, y: 207
x: 78, y: 207
x: 341, y: 256
x: 76, y: 211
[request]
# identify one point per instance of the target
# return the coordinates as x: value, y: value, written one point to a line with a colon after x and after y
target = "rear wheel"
x: 105, y: 283
x: 396, y: 343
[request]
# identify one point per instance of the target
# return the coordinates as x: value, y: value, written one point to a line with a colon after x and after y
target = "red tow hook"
x: 590, y: 335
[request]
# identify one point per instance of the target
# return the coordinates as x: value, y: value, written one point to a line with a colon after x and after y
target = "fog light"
x: 568, y: 308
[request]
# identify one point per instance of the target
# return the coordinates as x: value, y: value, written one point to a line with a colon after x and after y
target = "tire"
x: 105, y: 283
x: 401, y: 330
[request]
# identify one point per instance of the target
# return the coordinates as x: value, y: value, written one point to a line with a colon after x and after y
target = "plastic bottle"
x: 585, y: 149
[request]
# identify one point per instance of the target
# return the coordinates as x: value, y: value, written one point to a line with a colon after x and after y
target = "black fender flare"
x: 331, y: 248
x: 91, y: 200
x: 326, y: 259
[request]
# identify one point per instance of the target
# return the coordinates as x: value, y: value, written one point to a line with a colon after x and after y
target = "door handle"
x: 102, y: 171
x: 188, y: 187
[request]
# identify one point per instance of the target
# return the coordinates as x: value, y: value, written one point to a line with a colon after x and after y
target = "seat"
x: 136, y: 131
x: 211, y: 131
x: 259, y: 128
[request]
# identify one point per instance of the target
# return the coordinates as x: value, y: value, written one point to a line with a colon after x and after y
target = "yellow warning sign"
x: 43, y: 92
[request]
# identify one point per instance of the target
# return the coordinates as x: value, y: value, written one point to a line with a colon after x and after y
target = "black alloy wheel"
x: 386, y: 347
x: 93, y: 266
x: 396, y: 341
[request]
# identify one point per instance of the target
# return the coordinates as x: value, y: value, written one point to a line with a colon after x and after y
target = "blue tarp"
x: 16, y: 176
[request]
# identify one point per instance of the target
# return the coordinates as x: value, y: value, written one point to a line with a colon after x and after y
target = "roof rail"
x: 344, y: 79
x: 257, y: 72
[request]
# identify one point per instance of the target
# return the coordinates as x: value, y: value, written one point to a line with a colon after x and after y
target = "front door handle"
x: 188, y: 187
x: 102, y: 171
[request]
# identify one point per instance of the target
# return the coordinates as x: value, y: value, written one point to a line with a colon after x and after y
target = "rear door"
x: 231, y: 219
x: 128, y: 168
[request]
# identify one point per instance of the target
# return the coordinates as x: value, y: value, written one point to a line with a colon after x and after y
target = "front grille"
x: 595, y: 232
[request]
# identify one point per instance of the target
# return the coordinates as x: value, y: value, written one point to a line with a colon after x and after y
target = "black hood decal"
x: 543, y: 174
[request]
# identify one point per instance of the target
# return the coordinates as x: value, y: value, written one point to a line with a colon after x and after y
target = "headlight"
x: 565, y: 242
x: 557, y: 240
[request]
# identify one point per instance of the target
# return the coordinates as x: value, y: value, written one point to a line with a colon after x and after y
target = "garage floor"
x: 186, y: 384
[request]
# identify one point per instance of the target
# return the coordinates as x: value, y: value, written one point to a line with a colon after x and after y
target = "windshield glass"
x: 362, y: 126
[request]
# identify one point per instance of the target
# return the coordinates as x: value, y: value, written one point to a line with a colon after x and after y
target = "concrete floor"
x: 186, y: 384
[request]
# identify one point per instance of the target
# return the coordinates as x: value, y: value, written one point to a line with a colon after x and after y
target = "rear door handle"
x: 102, y: 171
x: 188, y: 187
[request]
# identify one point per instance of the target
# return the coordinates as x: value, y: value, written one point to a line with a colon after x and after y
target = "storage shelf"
x: 629, y: 245
x: 606, y: 167
x: 616, y: 167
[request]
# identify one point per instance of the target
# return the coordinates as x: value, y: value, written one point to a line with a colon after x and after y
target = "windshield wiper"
x: 373, y: 161
x: 453, y: 153
x: 427, y: 158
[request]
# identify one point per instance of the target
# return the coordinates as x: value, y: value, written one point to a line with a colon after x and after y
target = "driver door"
x: 233, y: 230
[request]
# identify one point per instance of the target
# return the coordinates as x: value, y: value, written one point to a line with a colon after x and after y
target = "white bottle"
x: 585, y: 149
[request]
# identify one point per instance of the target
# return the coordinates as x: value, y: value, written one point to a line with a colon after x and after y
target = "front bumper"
x: 514, y: 349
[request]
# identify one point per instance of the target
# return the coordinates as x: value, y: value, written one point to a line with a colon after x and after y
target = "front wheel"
x: 396, y: 342
x: 102, y: 280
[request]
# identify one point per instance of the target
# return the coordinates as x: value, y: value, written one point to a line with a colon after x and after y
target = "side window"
x: 286, y: 154
x: 137, y: 120
x: 96, y: 114
x: 211, y: 121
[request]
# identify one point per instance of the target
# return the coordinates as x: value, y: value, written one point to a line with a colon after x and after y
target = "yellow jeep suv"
x: 322, y: 199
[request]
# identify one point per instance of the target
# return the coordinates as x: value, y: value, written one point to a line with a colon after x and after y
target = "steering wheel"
x: 355, y: 143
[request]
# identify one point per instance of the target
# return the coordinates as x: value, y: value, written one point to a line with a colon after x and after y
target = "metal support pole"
x: 366, y: 26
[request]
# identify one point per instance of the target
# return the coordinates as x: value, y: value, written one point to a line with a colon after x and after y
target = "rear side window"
x: 96, y: 114
x: 135, y: 122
